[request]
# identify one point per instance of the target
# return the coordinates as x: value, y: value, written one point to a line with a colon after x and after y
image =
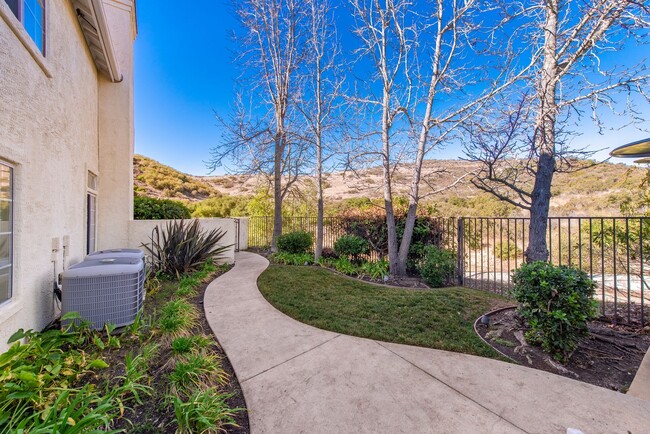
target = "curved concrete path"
x: 299, y: 379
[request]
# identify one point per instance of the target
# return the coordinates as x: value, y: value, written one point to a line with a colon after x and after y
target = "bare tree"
x: 381, y: 28
x: 422, y: 59
x: 321, y: 95
x: 522, y: 147
x: 259, y: 133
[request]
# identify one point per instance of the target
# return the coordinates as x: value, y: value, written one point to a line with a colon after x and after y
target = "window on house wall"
x: 31, y: 13
x: 6, y: 231
x: 91, y: 214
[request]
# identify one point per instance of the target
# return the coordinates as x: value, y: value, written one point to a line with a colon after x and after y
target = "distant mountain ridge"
x: 594, y: 191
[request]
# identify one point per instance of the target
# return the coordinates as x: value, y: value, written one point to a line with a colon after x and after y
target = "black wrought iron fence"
x: 260, y: 229
x: 612, y: 250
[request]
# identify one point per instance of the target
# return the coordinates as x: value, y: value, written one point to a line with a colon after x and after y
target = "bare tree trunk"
x: 318, y: 250
x: 537, y: 248
x: 414, y: 195
x: 388, y: 193
x: 277, y: 191
x: 544, y: 140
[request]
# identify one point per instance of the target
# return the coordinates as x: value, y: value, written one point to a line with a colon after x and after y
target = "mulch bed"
x: 609, y: 357
x: 154, y: 416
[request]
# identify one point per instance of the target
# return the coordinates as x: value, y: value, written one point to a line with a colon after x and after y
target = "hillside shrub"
x: 556, y: 302
x: 295, y: 242
x: 437, y: 266
x: 507, y: 250
x: 351, y: 246
x: 149, y: 208
x: 221, y: 206
x: 169, y: 181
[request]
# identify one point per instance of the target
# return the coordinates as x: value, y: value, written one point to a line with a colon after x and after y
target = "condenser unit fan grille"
x: 104, y: 291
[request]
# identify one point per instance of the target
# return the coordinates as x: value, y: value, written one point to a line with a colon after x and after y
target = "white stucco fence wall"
x: 140, y: 233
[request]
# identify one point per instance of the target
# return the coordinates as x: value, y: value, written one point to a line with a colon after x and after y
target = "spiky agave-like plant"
x: 183, y: 246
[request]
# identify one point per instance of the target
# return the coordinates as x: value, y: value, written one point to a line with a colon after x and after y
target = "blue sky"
x: 184, y: 72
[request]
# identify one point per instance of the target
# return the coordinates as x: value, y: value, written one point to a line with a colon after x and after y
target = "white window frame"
x: 91, y: 192
x: 21, y: 18
x: 11, y: 231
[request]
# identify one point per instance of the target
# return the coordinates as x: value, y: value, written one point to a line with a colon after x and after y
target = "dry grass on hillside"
x: 595, y: 191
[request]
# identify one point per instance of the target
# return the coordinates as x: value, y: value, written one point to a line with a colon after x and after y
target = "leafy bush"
x: 183, y: 246
x: 221, y: 206
x: 177, y: 318
x: 345, y: 266
x: 295, y: 242
x: 328, y: 253
x: 204, y: 411
x: 351, y: 246
x: 557, y: 302
x: 371, y: 227
x: 149, y: 208
x: 437, y: 267
x: 38, y: 379
x: 293, y: 258
x: 375, y: 270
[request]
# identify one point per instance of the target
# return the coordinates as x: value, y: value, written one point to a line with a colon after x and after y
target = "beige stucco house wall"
x: 63, y: 114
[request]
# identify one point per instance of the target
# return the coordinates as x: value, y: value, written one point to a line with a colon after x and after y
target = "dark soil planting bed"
x: 166, y: 373
x: 609, y: 357
x: 155, y: 415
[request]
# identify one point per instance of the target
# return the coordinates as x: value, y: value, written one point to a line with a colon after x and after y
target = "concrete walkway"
x: 299, y: 379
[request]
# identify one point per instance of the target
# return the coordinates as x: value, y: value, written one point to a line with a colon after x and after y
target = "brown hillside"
x: 594, y: 191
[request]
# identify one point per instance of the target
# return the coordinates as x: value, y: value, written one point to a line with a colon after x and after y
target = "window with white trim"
x: 91, y: 214
x: 6, y: 231
x: 31, y: 13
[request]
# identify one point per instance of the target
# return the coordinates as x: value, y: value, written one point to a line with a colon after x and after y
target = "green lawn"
x: 441, y: 318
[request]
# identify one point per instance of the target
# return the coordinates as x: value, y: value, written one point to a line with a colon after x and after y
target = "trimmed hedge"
x: 556, y: 302
x: 351, y: 246
x: 437, y: 267
x: 149, y: 208
x: 295, y: 242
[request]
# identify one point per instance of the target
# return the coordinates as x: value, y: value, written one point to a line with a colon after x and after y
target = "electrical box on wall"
x: 66, y: 245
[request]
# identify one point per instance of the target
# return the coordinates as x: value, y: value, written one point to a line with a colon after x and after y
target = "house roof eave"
x: 94, y: 26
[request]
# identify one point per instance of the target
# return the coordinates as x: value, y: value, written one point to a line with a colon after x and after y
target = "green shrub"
x: 41, y: 377
x: 351, y: 246
x: 328, y: 253
x: 295, y: 242
x: 183, y: 247
x: 221, y: 206
x: 149, y: 208
x: 437, y: 267
x: 345, y: 266
x: 371, y: 227
x: 375, y: 270
x: 557, y: 302
x: 293, y: 258
x: 204, y: 411
x: 177, y: 318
